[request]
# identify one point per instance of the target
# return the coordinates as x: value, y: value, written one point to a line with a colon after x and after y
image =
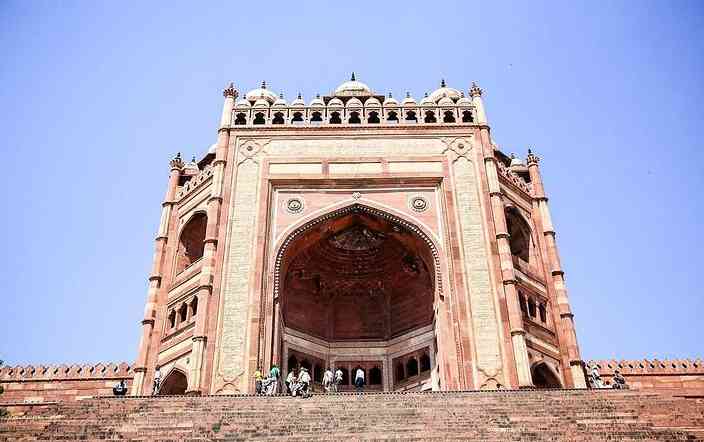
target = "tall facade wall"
x: 486, y: 322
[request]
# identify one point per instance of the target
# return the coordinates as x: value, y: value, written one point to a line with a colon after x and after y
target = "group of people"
x: 298, y: 382
x: 595, y: 380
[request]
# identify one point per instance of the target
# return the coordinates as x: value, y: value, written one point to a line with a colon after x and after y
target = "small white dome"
x: 243, y: 103
x: 263, y: 93
x: 354, y: 102
x: 261, y: 103
x: 446, y: 101
x: 352, y: 88
x: 372, y: 102
x: 426, y: 101
x: 390, y: 101
x: 408, y: 101
x: 192, y: 167
x: 335, y: 102
x: 515, y: 161
x: 464, y: 101
x: 298, y: 102
x: 445, y: 91
x: 280, y: 102
x: 317, y: 102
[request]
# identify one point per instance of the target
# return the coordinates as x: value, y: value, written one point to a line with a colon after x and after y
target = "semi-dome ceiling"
x: 361, y: 278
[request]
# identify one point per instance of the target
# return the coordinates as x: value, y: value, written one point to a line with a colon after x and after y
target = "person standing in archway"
x: 359, y: 379
x: 157, y: 382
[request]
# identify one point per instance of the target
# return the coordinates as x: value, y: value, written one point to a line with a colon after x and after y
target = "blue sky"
x: 98, y: 96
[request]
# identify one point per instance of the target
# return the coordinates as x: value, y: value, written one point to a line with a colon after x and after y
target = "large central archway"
x: 355, y: 289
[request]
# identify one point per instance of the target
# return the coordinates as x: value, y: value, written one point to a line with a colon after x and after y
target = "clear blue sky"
x: 97, y: 96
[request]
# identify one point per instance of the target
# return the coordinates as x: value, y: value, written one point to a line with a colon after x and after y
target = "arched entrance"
x: 174, y: 383
x: 544, y: 377
x: 355, y: 290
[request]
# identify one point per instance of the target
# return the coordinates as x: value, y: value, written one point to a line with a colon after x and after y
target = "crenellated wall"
x: 676, y: 376
x: 32, y: 386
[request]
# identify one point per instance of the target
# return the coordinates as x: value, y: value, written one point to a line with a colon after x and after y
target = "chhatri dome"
x: 353, y: 88
x: 445, y: 91
x: 262, y: 93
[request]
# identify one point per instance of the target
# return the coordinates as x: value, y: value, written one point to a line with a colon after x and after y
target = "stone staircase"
x: 474, y: 415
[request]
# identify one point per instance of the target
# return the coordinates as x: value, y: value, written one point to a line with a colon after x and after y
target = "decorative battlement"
x: 650, y: 366
x: 514, y: 178
x: 73, y: 371
x: 195, y: 182
x: 354, y: 103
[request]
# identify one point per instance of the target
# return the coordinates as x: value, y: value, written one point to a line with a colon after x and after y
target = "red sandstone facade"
x: 357, y: 231
x: 352, y: 231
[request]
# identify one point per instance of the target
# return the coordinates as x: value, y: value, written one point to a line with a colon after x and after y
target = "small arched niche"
x: 190, y: 242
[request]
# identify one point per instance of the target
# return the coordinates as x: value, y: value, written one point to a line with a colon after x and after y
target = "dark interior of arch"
x: 175, y: 383
x: 543, y: 377
x: 357, y: 276
x: 190, y: 247
x: 519, y: 234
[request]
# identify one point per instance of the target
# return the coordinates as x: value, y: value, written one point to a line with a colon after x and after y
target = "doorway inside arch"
x: 356, y: 293
x: 174, y: 383
x: 543, y: 377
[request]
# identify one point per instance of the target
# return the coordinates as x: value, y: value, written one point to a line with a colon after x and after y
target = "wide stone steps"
x: 490, y: 416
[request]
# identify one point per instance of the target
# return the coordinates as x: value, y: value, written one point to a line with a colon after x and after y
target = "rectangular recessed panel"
x: 415, y: 166
x: 348, y: 168
x: 289, y: 168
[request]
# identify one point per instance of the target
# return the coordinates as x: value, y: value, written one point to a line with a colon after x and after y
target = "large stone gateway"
x: 358, y: 231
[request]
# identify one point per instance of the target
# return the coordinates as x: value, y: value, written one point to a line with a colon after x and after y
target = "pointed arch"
x: 191, y: 241
x: 293, y: 233
x: 545, y: 376
x: 175, y: 383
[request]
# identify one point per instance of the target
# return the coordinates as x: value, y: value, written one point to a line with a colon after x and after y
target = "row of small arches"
x: 354, y: 117
x: 410, y: 367
x: 532, y: 309
x: 183, y: 314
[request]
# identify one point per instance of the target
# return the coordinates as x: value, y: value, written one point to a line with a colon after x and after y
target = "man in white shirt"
x: 327, y: 380
x: 359, y: 379
x: 338, y: 379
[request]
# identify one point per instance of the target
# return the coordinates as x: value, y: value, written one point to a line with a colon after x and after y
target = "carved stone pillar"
x: 566, y: 325
x: 200, y: 335
x: 140, y: 369
x: 508, y: 275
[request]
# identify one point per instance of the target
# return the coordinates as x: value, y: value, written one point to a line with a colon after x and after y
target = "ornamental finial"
x: 176, y: 162
x: 475, y: 91
x: 299, y: 96
x: 442, y: 83
x: 230, y: 91
x: 391, y: 95
x: 408, y: 94
x: 353, y: 77
x: 532, y: 158
x: 281, y: 95
x: 264, y: 84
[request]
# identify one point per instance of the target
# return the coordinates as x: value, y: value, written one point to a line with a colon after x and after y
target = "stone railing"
x: 195, y: 182
x: 63, y: 371
x: 514, y: 178
x: 345, y: 116
x: 650, y: 366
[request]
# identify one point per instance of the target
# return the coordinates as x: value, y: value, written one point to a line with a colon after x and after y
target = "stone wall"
x: 676, y: 376
x: 39, y: 386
